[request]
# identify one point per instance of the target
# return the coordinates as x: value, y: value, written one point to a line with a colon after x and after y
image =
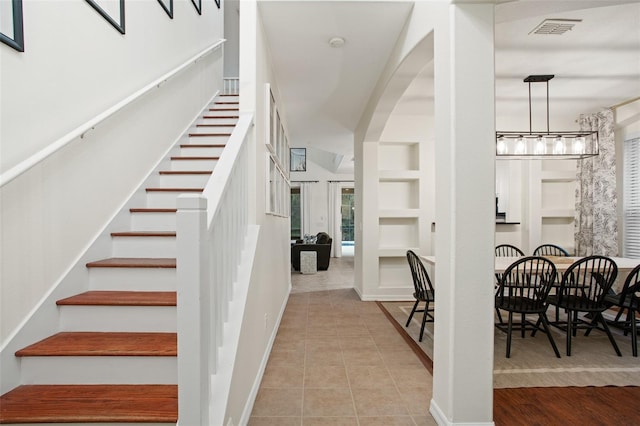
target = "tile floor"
x: 339, y: 361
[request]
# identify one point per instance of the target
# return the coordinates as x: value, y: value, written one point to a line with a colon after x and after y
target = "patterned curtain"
x: 596, y: 220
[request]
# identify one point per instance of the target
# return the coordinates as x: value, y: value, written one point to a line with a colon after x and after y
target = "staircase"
x: 114, y: 359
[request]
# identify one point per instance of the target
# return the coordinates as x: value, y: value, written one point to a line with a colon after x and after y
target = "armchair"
x: 322, y: 248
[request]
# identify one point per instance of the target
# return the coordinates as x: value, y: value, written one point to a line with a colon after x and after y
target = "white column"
x: 465, y: 219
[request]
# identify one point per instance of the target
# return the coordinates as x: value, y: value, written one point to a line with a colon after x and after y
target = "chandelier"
x: 545, y: 144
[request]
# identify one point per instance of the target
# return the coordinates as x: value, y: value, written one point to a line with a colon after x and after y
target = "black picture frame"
x: 17, y: 41
x: 198, y: 5
x: 117, y: 25
x: 298, y: 159
x: 167, y: 8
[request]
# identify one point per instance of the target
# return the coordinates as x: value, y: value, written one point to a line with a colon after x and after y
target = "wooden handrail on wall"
x: 79, y: 131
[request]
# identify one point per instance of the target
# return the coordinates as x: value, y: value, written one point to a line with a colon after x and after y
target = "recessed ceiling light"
x: 336, y: 42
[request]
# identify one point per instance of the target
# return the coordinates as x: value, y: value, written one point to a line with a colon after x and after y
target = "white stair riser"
x: 118, y: 318
x: 200, y: 151
x: 164, y: 199
x: 184, y: 181
x: 153, y: 221
x: 193, y: 165
x: 217, y: 113
x: 195, y: 140
x: 225, y: 128
x: 144, y: 246
x: 47, y: 370
x: 133, y: 279
x: 211, y: 119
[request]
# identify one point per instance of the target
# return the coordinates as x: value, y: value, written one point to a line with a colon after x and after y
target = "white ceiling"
x: 324, y: 90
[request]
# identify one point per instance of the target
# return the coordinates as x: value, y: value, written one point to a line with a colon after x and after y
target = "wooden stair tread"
x: 121, y: 298
x: 227, y: 103
x: 174, y: 189
x: 185, y: 172
x: 203, y: 145
x: 91, y: 343
x: 151, y: 210
x: 208, y: 134
x: 224, y: 109
x: 144, y: 234
x: 90, y: 404
x: 133, y: 262
x: 215, y: 125
x: 194, y: 158
x: 221, y: 116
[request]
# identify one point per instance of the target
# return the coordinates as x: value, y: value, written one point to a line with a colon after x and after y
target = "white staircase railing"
x: 231, y: 86
x: 211, y: 233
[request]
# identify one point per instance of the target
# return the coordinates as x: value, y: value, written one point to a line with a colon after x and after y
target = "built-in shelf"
x: 561, y: 213
x: 433, y: 224
x: 398, y: 213
x: 558, y: 175
x: 396, y: 252
x: 398, y: 175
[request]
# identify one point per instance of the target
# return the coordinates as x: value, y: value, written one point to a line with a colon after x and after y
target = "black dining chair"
x: 523, y: 289
x: 628, y: 300
x: 423, y: 290
x: 550, y: 250
x: 583, y: 288
x: 505, y: 250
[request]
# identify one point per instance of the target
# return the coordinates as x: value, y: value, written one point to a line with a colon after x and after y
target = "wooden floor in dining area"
x: 339, y: 361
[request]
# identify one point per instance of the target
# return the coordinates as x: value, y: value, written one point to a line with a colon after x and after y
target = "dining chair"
x: 423, y: 290
x: 550, y: 250
x: 507, y: 250
x: 523, y: 289
x: 628, y: 300
x: 583, y: 288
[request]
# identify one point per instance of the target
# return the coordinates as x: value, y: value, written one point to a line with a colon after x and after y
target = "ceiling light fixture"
x: 545, y: 144
x: 336, y: 42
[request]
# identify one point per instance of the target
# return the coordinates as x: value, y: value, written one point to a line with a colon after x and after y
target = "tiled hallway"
x: 339, y: 361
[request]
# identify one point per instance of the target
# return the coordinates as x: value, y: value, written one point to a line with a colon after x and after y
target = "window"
x: 296, y: 223
x: 348, y: 219
x: 632, y: 199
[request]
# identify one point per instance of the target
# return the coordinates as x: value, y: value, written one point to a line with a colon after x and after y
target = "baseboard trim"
x: 442, y: 420
x: 248, y: 408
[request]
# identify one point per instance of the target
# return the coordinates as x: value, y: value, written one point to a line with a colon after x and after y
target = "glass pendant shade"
x: 541, y: 146
x: 521, y: 146
x: 559, y: 146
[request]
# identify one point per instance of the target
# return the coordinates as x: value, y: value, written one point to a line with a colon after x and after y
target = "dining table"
x: 562, y: 263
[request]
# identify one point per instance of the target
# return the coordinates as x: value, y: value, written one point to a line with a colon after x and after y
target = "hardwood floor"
x: 567, y: 406
x: 577, y: 406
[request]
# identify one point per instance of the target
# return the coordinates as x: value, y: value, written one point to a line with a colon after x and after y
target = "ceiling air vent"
x: 555, y: 26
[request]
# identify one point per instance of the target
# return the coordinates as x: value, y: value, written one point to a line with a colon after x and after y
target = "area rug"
x: 593, y: 361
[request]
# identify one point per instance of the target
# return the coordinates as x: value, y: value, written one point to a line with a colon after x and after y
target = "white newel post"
x: 194, y: 331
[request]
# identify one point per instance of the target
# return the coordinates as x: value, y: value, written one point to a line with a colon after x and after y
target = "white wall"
x: 271, y: 278
x: 74, y: 67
